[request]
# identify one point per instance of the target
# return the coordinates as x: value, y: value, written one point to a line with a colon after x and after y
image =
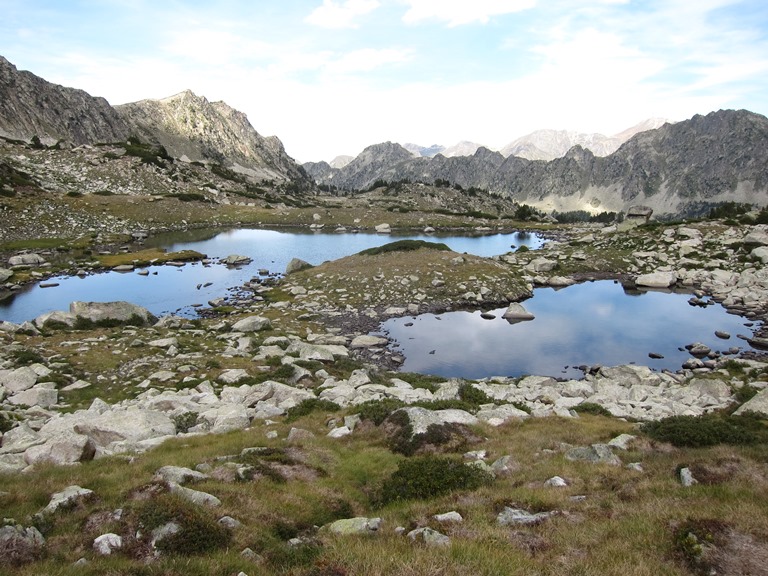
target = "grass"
x: 625, y: 524
x: 149, y: 256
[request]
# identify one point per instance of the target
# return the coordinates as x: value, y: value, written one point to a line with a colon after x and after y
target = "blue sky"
x: 330, y: 77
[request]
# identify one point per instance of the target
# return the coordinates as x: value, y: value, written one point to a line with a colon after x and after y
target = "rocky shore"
x: 283, y: 343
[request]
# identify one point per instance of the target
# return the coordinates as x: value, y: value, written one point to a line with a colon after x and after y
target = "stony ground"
x: 287, y: 416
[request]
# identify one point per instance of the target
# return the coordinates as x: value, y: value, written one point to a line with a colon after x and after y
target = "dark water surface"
x: 590, y: 323
x: 174, y: 290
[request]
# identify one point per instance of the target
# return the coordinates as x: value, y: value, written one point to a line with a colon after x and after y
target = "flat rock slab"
x: 252, y: 324
x: 365, y: 341
x: 597, y: 453
x: 70, y: 496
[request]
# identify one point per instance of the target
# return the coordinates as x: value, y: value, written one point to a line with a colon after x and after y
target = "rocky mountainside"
x: 551, y: 144
x: 194, y: 129
x: 188, y: 126
x: 675, y: 169
x: 31, y: 106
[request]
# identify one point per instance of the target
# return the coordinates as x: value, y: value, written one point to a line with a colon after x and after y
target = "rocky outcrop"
x: 192, y: 128
x: 31, y: 106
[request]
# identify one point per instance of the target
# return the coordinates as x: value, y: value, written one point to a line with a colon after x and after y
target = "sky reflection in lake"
x: 590, y: 323
x: 174, y: 290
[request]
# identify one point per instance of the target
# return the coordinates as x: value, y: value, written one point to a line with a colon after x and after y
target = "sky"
x: 330, y: 77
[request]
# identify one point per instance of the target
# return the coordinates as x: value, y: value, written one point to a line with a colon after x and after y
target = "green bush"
x: 404, y: 246
x: 468, y: 393
x: 745, y: 393
x: 199, y: 531
x: 708, y: 430
x: 308, y: 406
x: 185, y: 421
x: 447, y: 437
x: 26, y: 357
x: 591, y: 408
x: 379, y: 410
x: 429, y: 477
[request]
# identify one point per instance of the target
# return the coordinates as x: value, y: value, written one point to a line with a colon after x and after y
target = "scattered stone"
x: 597, y: 453
x: 195, y: 496
x: 111, y: 311
x: 359, y: 525
x: 366, y: 341
x: 556, y: 482
x: 179, y: 475
x: 516, y: 516
x: 622, y: 441
x: 235, y: 260
x: 19, y: 545
x: 105, y: 544
x: 686, y: 477
x: 657, y: 279
x: 295, y: 265
x: 67, y: 498
x: 429, y: 537
x: 449, y: 517
x: 252, y: 324
x: 517, y: 313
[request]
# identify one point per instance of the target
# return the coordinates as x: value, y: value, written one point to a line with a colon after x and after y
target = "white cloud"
x: 458, y: 12
x: 340, y: 14
x: 366, y: 60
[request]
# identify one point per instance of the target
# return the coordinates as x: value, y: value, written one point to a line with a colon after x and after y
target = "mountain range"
x: 675, y: 169
x: 541, y: 144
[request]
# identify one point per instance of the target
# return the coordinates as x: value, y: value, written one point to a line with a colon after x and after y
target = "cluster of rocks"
x: 47, y: 435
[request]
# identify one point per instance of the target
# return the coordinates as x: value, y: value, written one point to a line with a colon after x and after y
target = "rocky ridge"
x: 671, y: 169
x: 32, y: 107
x: 193, y: 129
x: 186, y: 125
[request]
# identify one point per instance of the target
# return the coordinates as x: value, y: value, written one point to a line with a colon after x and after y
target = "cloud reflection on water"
x: 591, y: 323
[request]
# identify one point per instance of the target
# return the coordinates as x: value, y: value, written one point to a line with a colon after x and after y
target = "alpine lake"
x: 593, y: 323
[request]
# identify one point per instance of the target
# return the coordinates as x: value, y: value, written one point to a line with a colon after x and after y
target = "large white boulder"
x: 131, y: 425
x: 656, y: 279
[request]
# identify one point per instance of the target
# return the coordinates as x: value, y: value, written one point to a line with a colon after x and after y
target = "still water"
x: 175, y: 290
x: 590, y: 323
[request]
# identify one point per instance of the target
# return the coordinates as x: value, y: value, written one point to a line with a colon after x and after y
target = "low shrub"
x: 404, y: 246
x: 26, y: 357
x: 591, y: 408
x: 692, y: 538
x: 448, y: 437
x: 185, y: 421
x: 308, y: 406
x: 199, y: 532
x: 745, y: 393
x: 379, y: 410
x: 429, y: 477
x: 708, y: 430
x: 474, y: 396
